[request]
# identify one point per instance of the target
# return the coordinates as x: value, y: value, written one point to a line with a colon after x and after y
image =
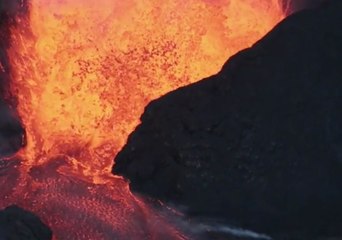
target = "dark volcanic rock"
x: 8, y: 12
x: 17, y: 224
x: 11, y: 131
x: 12, y: 134
x: 260, y: 143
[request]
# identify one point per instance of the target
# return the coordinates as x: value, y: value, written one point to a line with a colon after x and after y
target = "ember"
x: 83, y: 71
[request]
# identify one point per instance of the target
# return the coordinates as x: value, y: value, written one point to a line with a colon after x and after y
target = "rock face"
x: 12, y: 134
x: 17, y: 224
x: 260, y: 143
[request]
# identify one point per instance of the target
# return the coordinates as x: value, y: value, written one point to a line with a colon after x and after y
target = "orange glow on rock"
x: 83, y: 71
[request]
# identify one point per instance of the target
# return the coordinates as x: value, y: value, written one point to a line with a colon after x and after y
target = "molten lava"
x: 83, y: 71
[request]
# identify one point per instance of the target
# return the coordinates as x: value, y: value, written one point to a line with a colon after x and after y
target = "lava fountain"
x: 82, y: 72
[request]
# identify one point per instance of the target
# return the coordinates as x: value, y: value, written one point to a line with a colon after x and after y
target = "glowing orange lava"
x: 83, y: 71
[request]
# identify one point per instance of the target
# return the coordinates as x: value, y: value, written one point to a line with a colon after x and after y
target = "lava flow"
x: 82, y: 72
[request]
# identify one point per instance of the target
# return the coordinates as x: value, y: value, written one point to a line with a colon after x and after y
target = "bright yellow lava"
x: 84, y: 70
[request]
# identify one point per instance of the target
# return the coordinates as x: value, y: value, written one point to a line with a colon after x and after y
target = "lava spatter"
x: 83, y: 71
